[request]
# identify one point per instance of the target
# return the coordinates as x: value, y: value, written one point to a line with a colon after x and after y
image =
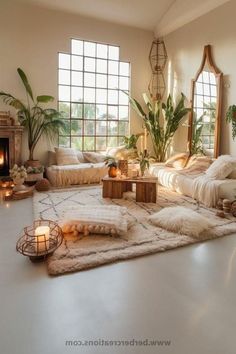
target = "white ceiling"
x: 160, y: 16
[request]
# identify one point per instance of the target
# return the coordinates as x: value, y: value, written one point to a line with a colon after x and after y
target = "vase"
x: 112, y: 172
x: 18, y: 182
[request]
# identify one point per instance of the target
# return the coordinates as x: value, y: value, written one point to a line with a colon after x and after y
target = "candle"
x: 145, y: 139
x: 141, y: 143
x: 42, y: 239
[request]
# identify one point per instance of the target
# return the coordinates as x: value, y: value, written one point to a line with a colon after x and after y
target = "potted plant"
x: 37, y: 121
x: 131, y: 145
x: 161, y: 121
x: 34, y: 174
x: 231, y: 118
x: 144, y: 161
x: 113, y: 166
x: 18, y: 174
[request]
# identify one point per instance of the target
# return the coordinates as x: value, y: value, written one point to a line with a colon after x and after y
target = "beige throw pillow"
x: 66, y: 156
x: 93, y: 157
x: 178, y: 161
x: 221, y: 167
x: 198, y: 164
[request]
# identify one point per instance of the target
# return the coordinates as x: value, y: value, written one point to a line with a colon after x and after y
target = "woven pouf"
x: 42, y: 185
x: 233, y: 208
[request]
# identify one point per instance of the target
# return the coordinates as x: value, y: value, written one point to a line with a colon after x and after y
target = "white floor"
x: 187, y: 296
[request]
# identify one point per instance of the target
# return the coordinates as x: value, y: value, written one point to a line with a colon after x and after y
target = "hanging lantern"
x: 158, y: 58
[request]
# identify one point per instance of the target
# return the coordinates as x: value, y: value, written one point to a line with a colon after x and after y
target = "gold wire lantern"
x: 158, y: 58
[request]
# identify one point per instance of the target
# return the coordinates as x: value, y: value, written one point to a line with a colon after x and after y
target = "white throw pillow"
x: 103, y: 219
x: 118, y: 152
x: 66, y: 156
x: 93, y: 157
x: 221, y: 167
x: 181, y: 220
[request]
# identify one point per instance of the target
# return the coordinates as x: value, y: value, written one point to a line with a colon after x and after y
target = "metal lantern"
x: 158, y: 58
x: 40, y: 239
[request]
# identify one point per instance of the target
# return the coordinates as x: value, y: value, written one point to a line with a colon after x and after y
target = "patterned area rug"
x: 141, y: 239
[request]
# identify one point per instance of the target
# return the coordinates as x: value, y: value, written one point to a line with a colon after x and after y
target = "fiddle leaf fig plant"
x: 161, y: 120
x: 37, y: 120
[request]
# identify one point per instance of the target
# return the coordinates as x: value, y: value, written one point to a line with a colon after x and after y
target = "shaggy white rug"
x: 142, y: 238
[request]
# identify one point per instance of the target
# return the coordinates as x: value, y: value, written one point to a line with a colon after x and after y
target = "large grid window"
x: 91, y: 82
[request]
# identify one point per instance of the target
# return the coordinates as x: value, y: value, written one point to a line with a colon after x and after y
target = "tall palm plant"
x: 161, y: 121
x: 37, y: 120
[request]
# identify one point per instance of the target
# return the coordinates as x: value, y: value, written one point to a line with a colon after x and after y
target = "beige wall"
x: 185, y: 48
x: 31, y: 37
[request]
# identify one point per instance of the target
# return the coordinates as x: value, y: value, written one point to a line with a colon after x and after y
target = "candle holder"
x: 39, y: 240
x: 123, y: 167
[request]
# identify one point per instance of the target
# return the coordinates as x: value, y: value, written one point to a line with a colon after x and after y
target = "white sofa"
x: 82, y: 173
x: 184, y: 183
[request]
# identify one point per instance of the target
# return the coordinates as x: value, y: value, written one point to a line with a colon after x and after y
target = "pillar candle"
x: 42, y: 238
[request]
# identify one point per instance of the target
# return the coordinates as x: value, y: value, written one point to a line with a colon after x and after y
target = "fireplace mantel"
x: 14, y: 134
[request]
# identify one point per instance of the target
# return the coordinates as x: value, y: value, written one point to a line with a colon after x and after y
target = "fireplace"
x: 4, y: 157
x: 10, y: 143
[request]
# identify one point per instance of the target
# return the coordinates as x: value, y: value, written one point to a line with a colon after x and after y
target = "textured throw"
x: 142, y: 238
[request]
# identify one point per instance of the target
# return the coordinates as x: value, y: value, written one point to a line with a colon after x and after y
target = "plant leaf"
x: 45, y: 99
x: 25, y: 82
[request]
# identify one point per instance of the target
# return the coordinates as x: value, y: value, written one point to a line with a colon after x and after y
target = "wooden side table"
x: 146, y: 188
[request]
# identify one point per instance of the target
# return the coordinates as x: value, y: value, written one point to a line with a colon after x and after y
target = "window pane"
x: 102, y: 51
x: 212, y: 79
x: 77, y: 94
x: 123, y: 112
x: 89, y: 127
x: 123, y: 98
x: 64, y: 108
x: 77, y: 47
x: 123, y: 128
x: 89, y: 49
x: 112, y: 141
x: 114, y: 52
x: 113, y: 82
x: 112, y: 128
x: 100, y: 143
x: 64, y: 77
x: 112, y: 112
x: 124, y: 83
x: 77, y: 63
x: 66, y: 129
x: 76, y: 110
x: 76, y: 143
x: 89, y: 64
x: 101, y: 80
x: 89, y: 79
x: 77, y: 78
x: 89, y: 143
x: 113, y: 67
x: 64, y: 61
x: 101, y: 127
x: 206, y: 89
x: 64, y: 93
x: 205, y: 75
x: 64, y: 141
x: 101, y: 112
x: 213, y: 91
x: 101, y: 66
x: 89, y: 111
x: 76, y: 127
x: 112, y: 97
x: 101, y: 96
x: 124, y: 69
x: 89, y: 95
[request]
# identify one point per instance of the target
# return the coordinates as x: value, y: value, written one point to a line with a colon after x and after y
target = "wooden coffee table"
x: 146, y: 188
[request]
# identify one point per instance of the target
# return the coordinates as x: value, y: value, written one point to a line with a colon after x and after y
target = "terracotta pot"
x: 112, y: 172
x: 33, y: 163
